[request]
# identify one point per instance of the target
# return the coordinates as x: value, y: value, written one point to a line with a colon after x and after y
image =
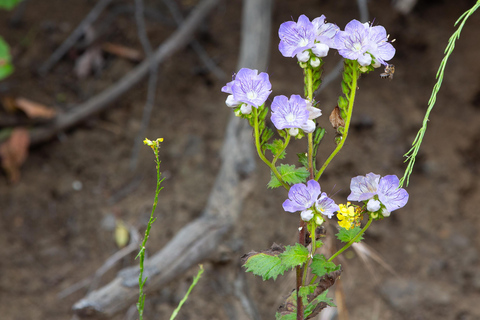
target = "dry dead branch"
x: 100, y: 102
x: 199, y: 239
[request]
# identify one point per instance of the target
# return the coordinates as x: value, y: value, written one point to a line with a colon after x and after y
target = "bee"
x: 389, y: 71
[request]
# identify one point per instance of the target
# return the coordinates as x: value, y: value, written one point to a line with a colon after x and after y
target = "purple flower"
x: 302, y: 197
x: 296, y: 37
x: 248, y: 87
x: 361, y: 41
x: 325, y: 32
x: 390, y: 195
x: 386, y: 189
x: 291, y: 113
x: 353, y: 43
x: 326, y: 206
x: 364, y: 188
x: 379, y: 46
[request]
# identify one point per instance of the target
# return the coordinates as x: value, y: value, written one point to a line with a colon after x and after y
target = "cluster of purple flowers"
x: 379, y: 193
x: 360, y: 41
x: 382, y: 195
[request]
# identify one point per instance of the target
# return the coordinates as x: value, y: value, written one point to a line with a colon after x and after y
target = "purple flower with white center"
x: 379, y: 46
x: 353, y: 43
x: 390, y: 194
x: 326, y: 206
x: 302, y: 197
x: 360, y: 40
x: 364, y: 187
x: 296, y: 37
x: 325, y: 32
x: 248, y: 87
x: 287, y: 113
x: 386, y: 189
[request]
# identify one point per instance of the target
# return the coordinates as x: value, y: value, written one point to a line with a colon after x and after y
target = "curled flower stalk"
x: 349, y: 86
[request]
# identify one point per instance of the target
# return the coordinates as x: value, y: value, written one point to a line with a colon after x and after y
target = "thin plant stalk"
x: 155, y: 145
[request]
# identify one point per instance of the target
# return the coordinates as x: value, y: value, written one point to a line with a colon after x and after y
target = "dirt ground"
x: 57, y: 222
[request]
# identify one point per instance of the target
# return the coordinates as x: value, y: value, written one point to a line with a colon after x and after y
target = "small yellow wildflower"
x: 348, y: 216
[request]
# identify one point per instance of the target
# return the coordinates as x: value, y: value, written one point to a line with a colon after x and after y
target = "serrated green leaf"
x: 321, y: 267
x: 303, y: 159
x: 294, y: 256
x: 267, y: 266
x: 276, y: 147
x: 305, y: 291
x: 310, y: 308
x: 8, y: 4
x: 289, y: 174
x: 348, y: 235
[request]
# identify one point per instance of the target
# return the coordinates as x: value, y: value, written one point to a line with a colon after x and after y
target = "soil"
x: 57, y: 223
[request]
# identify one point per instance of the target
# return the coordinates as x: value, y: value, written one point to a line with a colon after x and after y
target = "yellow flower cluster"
x: 349, y: 216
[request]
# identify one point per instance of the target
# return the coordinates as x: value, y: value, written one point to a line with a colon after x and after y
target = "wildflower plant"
x: 364, y: 47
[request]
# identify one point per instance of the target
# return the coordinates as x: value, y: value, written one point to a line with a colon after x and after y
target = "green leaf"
x: 303, y: 159
x: 289, y: 316
x: 8, y: 4
x: 294, y: 256
x: 321, y: 267
x: 348, y: 235
x: 305, y: 291
x: 276, y: 147
x: 310, y: 308
x: 289, y: 174
x: 267, y: 266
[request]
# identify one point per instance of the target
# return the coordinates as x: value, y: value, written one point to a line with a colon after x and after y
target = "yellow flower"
x: 348, y: 216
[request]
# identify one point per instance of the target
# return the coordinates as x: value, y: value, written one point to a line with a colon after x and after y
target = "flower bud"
x: 320, y: 50
x: 307, y: 215
x: 303, y: 56
x: 365, y: 60
x: 373, y: 205
x: 293, y: 131
x: 314, y: 62
x: 231, y: 102
x: 246, y: 108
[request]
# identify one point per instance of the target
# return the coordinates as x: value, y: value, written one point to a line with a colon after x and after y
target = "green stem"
x: 352, y: 241
x: 260, y: 153
x: 310, y: 155
x: 141, y: 254
x: 351, y: 99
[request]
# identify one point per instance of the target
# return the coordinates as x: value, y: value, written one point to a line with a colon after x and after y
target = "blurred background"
x: 63, y: 210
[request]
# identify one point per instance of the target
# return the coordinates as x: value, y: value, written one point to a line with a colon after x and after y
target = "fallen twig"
x: 196, y: 46
x: 101, y: 101
x: 152, y: 83
x: 74, y: 36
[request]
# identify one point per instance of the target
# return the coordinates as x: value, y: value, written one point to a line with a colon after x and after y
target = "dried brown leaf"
x: 8, y: 103
x: 34, y: 109
x: 14, y: 152
x: 336, y: 119
x: 122, y: 51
